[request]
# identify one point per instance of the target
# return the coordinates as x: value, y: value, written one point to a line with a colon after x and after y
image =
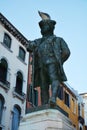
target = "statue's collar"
x: 48, y: 36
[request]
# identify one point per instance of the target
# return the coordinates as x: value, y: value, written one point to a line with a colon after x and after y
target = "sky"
x: 71, y: 18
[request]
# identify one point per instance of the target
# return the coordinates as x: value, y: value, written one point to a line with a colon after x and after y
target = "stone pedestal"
x: 49, y: 119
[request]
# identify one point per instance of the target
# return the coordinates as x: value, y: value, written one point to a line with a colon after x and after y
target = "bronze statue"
x: 50, y: 52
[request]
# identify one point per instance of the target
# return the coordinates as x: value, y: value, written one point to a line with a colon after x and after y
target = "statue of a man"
x: 50, y: 52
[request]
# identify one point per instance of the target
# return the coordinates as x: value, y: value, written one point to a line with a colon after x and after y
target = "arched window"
x: 3, y: 70
x: 1, y: 106
x: 16, y: 117
x: 19, y: 83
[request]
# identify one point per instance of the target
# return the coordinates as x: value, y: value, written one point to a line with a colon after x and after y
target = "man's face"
x: 45, y: 29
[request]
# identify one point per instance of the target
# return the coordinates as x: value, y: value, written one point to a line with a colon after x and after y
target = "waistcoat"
x: 45, y: 51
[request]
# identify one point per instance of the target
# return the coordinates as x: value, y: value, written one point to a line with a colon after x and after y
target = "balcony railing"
x: 5, y: 84
x: 20, y: 95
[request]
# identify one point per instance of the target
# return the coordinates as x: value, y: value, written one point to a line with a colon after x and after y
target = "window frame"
x: 33, y: 96
x: 5, y: 40
x: 67, y: 99
x: 1, y: 113
x: 4, y: 66
x: 22, y: 54
x: 19, y: 83
x: 60, y: 93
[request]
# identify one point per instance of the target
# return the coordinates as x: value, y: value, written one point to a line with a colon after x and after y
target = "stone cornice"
x: 12, y: 30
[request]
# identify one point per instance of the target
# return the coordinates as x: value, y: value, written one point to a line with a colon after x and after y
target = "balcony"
x: 5, y: 84
x: 19, y: 95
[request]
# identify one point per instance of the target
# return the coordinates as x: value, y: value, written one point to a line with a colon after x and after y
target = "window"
x: 67, y: 99
x: 60, y: 92
x: 33, y: 96
x: 79, y: 109
x: 19, y: 83
x: 21, y: 53
x: 7, y: 40
x: 1, y: 107
x: 16, y: 118
x: 30, y: 93
x: 73, y: 105
x: 3, y: 70
x: 80, y: 128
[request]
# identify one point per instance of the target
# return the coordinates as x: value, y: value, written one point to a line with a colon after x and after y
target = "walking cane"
x: 33, y: 79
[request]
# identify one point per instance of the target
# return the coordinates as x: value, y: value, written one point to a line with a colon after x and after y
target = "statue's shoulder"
x: 58, y: 38
x: 38, y: 40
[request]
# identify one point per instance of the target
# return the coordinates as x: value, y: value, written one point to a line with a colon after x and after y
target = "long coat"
x: 61, y: 52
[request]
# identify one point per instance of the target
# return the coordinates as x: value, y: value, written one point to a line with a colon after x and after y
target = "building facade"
x: 84, y: 96
x: 13, y: 75
x: 70, y: 101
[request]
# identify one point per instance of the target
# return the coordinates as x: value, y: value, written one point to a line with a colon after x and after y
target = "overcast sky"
x: 71, y: 18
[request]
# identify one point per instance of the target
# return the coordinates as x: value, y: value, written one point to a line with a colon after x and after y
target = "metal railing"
x: 19, y: 94
x: 4, y: 83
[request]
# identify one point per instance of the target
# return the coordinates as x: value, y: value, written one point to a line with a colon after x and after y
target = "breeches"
x: 49, y: 73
